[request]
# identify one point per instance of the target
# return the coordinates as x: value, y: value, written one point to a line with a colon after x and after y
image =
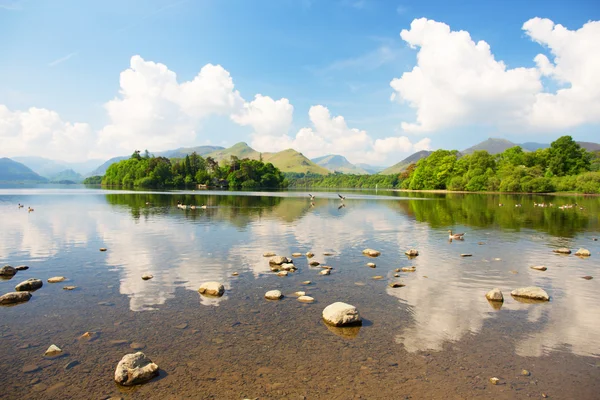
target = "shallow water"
x: 437, y: 337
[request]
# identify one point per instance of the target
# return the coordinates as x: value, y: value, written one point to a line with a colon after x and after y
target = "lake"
x: 436, y: 337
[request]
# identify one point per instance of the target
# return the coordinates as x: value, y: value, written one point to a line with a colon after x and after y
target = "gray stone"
x: 56, y: 279
x: 14, y: 297
x: 273, y: 295
x: 135, y: 369
x: 280, y: 260
x: 531, y: 292
x: 29, y: 285
x: 371, y: 253
x: 147, y: 276
x: 212, y: 289
x: 7, y: 270
x: 412, y: 253
x: 269, y: 254
x: 583, y: 253
x: 341, y: 314
x: 494, y: 295
x: 21, y: 267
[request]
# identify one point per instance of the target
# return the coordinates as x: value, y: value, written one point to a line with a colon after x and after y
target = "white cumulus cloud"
x: 458, y: 81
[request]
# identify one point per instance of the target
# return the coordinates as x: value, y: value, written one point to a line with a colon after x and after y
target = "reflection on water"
x: 444, y: 297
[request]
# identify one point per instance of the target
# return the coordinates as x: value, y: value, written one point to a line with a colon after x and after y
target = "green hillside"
x: 291, y: 161
x: 12, y: 171
x: 403, y: 165
x: 67, y: 175
x: 240, y: 150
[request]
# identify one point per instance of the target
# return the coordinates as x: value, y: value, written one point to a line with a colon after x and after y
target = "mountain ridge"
x: 13, y: 171
x: 339, y: 163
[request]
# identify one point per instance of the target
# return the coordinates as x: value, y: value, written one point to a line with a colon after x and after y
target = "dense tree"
x: 566, y: 157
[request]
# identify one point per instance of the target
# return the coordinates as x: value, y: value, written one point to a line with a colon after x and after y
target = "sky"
x: 373, y: 80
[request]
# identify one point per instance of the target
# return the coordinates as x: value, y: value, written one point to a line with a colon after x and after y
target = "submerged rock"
x: 29, y: 285
x: 412, y: 253
x: 212, y: 289
x: 531, y: 292
x: 69, y: 287
x: 280, y: 260
x: 539, y: 267
x: 583, y: 253
x: 371, y: 253
x: 494, y: 295
x: 562, y: 250
x: 7, y: 270
x: 147, y: 276
x: 314, y: 263
x: 52, y: 351
x: 325, y: 272
x: 587, y: 277
x: 371, y: 265
x: 21, y: 267
x: 310, y: 254
x: 282, y: 273
x: 296, y: 254
x: 102, y: 248
x: 306, y: 299
x: 135, y: 369
x: 14, y: 297
x: 408, y: 269
x: 273, y: 295
x: 269, y: 254
x: 306, y: 282
x: 341, y: 314
x: 56, y: 279
x: 377, y: 277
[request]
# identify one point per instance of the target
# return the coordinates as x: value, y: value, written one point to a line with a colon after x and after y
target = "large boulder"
x: 494, y: 295
x: 29, y: 285
x: 531, y: 292
x: 212, y: 289
x: 583, y: 253
x: 7, y: 270
x: 280, y: 260
x: 341, y: 314
x: 135, y: 369
x: 371, y: 253
x: 14, y: 297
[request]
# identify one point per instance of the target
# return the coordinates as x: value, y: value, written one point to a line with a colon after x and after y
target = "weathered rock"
x: 371, y: 265
x: 147, y: 276
x: 539, y: 267
x: 135, y: 369
x: 396, y: 275
x: 296, y: 254
x: 235, y: 273
x: 587, y: 277
x: 494, y: 381
x: 273, y: 295
x: 69, y: 287
x: 29, y: 285
x: 531, y: 292
x: 269, y: 254
x: 102, y: 248
x: 288, y: 267
x: 212, y: 289
x: 494, y: 295
x: 282, y: 273
x: 299, y: 293
x: 279, y: 260
x: 310, y: 254
x: 56, y: 279
x: 7, y: 270
x: 314, y: 263
x: 325, y: 272
x: 396, y: 284
x: 14, y: 297
x: 21, y: 267
x: 52, y: 351
x: 306, y: 299
x: 371, y: 253
x: 341, y: 314
x: 583, y: 253
x: 412, y: 253
x: 408, y: 269
x: 562, y: 250
x: 306, y: 282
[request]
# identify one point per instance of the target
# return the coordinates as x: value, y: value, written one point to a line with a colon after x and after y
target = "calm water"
x: 437, y: 337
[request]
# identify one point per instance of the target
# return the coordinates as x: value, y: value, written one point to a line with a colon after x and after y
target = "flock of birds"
x: 29, y: 209
x: 544, y: 205
x: 192, y: 207
x: 342, y: 198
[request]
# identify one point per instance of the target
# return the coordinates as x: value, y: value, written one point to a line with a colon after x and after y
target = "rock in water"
x: 212, y: 289
x: 56, y: 279
x: 14, y: 297
x: 269, y: 254
x: 21, y: 267
x: 539, y: 268
x: 7, y: 270
x: 341, y: 314
x: 371, y: 265
x: 412, y: 253
x: 135, y: 369
x: 282, y: 273
x: 52, y: 351
x: 531, y: 292
x: 102, y: 248
x: 314, y: 263
x: 306, y: 299
x: 396, y: 284
x: 69, y: 287
x: 279, y: 260
x: 29, y: 285
x: 494, y: 295
x: 147, y: 276
x: 310, y: 254
x: 325, y: 272
x: 371, y: 253
x: 273, y: 295
x: 296, y: 254
x: 562, y: 250
x: 408, y: 269
x: 583, y: 253
x: 587, y: 277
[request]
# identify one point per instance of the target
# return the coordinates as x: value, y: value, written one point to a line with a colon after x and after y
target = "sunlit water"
x: 206, y: 346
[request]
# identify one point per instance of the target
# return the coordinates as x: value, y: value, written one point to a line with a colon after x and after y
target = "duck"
x: 455, y: 236
x: 312, y: 197
x: 500, y: 204
x: 29, y: 209
x: 21, y: 205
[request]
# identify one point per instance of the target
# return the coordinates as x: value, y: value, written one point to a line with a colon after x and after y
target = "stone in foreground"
x: 371, y: 253
x: 273, y: 295
x: 279, y: 260
x: 29, y: 285
x: 7, y: 270
x: 212, y: 289
x: 306, y: 299
x: 341, y: 314
x: 14, y: 297
x: 531, y: 292
x: 52, y: 351
x: 494, y: 295
x: 412, y: 253
x: 56, y: 279
x: 135, y: 369
x: 562, y: 250
x: 583, y: 253
x: 494, y: 381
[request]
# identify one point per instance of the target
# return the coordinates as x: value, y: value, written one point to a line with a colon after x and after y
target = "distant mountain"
x: 240, y: 150
x: 371, y: 169
x: 184, y: 151
x: 67, y: 175
x: 12, y: 171
x: 101, y: 170
x: 589, y: 146
x: 532, y: 146
x: 49, y: 168
x: 491, y: 145
x: 402, y: 165
x: 337, y: 163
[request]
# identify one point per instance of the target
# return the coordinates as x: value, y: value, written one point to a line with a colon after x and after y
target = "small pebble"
x: 102, y: 249
x: 71, y: 364
x: 306, y: 299
x: 587, y: 277
x: 377, y: 277
x: 181, y: 326
x: 494, y: 381
x: 147, y: 276
x: 325, y: 272
x: 31, y: 368
x: 21, y: 267
x: 466, y: 255
x: 525, y: 373
x: 69, y: 287
x: 396, y: 275
x: 235, y: 274
x: 306, y: 282
x: 396, y: 285
x: 371, y: 265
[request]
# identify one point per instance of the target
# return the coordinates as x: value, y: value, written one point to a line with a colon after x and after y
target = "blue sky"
x: 66, y: 56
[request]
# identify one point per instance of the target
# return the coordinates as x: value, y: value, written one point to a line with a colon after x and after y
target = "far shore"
x: 511, y: 193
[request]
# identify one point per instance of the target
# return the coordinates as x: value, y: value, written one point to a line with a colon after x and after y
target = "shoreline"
x: 446, y: 191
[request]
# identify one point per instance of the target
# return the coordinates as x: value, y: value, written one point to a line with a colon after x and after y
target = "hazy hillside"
x: 101, y: 170
x: 337, y: 163
x: 402, y: 165
x: 48, y: 168
x: 533, y: 146
x: 184, y: 151
x: 371, y: 169
x: 491, y: 145
x: 12, y: 171
x: 240, y: 150
x: 589, y: 146
x: 67, y: 175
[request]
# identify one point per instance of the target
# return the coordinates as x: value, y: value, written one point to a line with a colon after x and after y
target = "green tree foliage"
x: 339, y: 180
x: 93, y: 180
x: 566, y: 157
x: 160, y: 172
